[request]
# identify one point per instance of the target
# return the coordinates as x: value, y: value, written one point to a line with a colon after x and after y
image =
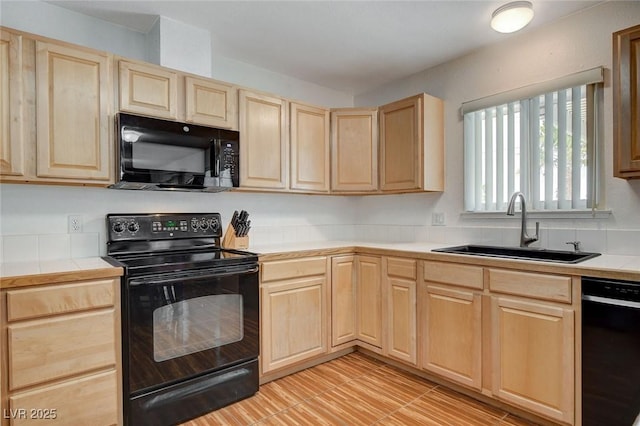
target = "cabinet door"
x: 533, y: 356
x: 400, y: 151
x: 294, y: 322
x: 73, y: 89
x: 452, y: 334
x: 210, y: 103
x: 263, y: 141
x: 11, y: 104
x: 626, y: 102
x: 309, y: 148
x: 412, y: 145
x: 148, y: 90
x: 354, y: 150
x: 369, y: 300
x: 343, y: 300
x: 401, y: 319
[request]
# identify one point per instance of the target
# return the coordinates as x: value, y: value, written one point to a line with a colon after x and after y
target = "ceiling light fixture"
x: 512, y: 16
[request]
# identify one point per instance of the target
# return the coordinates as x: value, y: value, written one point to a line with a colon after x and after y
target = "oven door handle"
x: 613, y: 302
x: 158, y: 280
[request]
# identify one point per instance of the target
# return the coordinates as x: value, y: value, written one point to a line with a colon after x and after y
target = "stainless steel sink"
x: 542, y: 255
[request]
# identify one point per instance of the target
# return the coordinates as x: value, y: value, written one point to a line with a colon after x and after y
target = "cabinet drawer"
x: 91, y: 400
x: 455, y: 274
x: 49, y: 349
x: 538, y: 286
x: 59, y: 299
x: 285, y: 269
x: 404, y: 268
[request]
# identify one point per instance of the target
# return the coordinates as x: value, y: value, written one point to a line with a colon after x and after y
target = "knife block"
x: 232, y: 241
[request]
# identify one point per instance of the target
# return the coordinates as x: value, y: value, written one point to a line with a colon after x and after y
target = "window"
x: 539, y: 140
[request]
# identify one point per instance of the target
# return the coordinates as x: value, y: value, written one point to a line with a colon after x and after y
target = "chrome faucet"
x: 525, y: 239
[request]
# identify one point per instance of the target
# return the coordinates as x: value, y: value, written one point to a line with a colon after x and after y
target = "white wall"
x: 33, y: 218
x: 578, y: 42
x: 48, y: 20
x: 61, y: 24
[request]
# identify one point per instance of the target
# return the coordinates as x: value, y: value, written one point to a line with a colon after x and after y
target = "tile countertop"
x: 17, y: 274
x: 21, y: 274
x: 605, y: 266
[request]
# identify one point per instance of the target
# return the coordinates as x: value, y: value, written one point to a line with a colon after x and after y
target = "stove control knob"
x: 194, y: 223
x: 214, y: 224
x: 133, y: 227
x: 204, y: 225
x: 118, y: 227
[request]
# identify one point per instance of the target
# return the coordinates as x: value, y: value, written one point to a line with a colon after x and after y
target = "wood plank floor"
x: 357, y: 390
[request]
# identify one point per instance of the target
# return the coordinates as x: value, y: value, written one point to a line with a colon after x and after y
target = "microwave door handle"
x: 215, y: 164
x: 164, y: 281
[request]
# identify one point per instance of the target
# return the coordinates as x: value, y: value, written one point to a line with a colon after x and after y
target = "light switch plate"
x: 437, y: 219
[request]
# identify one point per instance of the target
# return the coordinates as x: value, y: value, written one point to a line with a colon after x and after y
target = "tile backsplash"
x: 20, y: 248
x: 25, y: 248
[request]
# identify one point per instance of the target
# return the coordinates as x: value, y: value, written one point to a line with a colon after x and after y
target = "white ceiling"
x: 352, y: 46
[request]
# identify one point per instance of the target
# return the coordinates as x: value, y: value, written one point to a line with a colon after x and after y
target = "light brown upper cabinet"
x: 12, y: 149
x: 211, y: 103
x: 354, y: 150
x: 263, y: 141
x: 309, y: 148
x: 412, y: 145
x: 165, y: 93
x: 149, y: 90
x: 55, y: 107
x: 626, y: 103
x: 73, y: 91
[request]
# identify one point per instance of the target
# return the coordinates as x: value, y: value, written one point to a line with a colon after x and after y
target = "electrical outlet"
x: 437, y: 219
x: 74, y: 224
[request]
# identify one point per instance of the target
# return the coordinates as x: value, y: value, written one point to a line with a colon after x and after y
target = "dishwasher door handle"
x: 612, y: 302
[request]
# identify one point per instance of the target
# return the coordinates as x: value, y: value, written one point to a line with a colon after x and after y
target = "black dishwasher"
x: 610, y: 352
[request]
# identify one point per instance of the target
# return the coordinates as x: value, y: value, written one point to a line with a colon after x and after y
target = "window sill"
x: 566, y: 214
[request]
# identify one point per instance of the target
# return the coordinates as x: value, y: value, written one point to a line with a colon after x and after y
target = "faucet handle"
x: 576, y: 245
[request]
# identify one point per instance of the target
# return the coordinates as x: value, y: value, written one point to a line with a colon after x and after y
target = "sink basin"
x: 542, y: 255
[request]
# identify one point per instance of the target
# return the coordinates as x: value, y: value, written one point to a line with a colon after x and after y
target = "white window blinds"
x: 542, y: 145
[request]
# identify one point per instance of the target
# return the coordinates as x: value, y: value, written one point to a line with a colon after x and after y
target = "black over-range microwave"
x: 158, y: 154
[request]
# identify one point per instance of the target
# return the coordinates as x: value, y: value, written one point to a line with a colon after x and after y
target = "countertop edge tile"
x: 606, y: 265
x: 24, y: 274
x: 19, y: 274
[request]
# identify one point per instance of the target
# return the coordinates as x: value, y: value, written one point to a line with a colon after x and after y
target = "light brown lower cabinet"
x: 533, y: 356
x: 294, y: 311
x: 452, y: 333
x: 507, y: 334
x: 400, y: 298
x: 451, y: 321
x: 369, y: 300
x: 61, y: 354
x: 343, y: 300
x: 513, y: 329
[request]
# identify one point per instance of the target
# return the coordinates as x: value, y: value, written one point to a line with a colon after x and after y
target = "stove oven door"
x: 180, y: 329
